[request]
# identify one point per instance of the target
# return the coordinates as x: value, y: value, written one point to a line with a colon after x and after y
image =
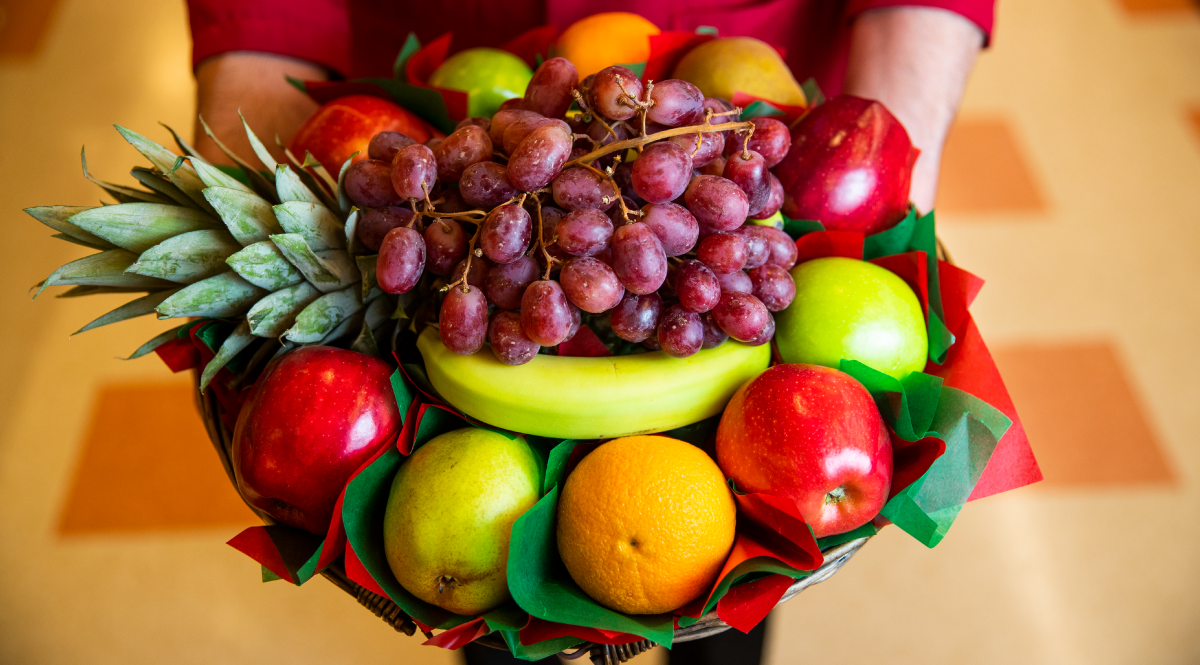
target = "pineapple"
x: 278, y: 257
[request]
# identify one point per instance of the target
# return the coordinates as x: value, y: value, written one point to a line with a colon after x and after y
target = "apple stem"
x: 838, y: 495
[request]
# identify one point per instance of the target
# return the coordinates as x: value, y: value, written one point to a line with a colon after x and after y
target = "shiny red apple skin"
x: 311, y: 421
x: 849, y: 167
x: 346, y: 124
x: 804, y: 432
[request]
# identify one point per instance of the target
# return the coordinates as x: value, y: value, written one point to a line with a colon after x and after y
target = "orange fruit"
x: 645, y: 524
x: 609, y: 38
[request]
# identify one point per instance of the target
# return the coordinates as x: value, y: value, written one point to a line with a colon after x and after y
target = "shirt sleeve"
x: 980, y: 12
x: 317, y: 31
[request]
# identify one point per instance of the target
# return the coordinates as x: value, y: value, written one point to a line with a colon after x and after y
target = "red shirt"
x: 355, y: 38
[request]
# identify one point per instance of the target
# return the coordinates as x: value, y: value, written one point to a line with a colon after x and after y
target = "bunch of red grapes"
x: 560, y: 222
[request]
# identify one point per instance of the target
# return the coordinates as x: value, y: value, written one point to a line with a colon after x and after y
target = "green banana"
x: 591, y: 398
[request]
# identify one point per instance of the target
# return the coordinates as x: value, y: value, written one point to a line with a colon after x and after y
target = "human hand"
x: 916, y: 61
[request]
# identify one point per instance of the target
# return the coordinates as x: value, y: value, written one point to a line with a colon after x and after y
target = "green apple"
x: 450, y: 514
x: 488, y: 76
x: 845, y: 308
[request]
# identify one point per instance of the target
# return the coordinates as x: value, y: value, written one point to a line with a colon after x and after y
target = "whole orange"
x: 645, y: 524
x: 609, y: 38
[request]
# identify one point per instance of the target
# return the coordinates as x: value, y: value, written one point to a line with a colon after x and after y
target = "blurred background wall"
x: 1070, y: 183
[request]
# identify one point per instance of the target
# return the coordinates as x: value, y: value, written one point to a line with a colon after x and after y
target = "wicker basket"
x: 600, y: 654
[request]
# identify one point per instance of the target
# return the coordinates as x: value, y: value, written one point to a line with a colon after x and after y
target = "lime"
x: 488, y: 76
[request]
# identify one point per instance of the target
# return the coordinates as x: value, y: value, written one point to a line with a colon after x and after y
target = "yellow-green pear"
x: 724, y: 66
x: 450, y: 514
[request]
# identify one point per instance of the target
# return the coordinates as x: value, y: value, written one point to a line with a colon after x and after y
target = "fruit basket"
x: 600, y: 654
x: 579, y: 376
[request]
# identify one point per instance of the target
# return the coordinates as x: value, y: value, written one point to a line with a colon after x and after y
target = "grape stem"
x: 644, y: 109
x: 625, y: 211
x: 665, y: 134
x: 550, y: 260
x: 466, y: 268
x: 640, y: 107
x: 583, y: 105
x: 412, y: 203
x: 457, y: 215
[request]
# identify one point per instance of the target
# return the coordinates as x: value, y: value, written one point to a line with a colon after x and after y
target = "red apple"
x: 850, y: 167
x: 313, y: 418
x: 811, y: 434
x: 345, y: 125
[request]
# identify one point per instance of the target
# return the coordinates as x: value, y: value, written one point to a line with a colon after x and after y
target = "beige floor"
x: 1095, y: 98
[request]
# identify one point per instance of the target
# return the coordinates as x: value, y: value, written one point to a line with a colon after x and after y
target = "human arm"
x: 241, y: 52
x: 916, y: 61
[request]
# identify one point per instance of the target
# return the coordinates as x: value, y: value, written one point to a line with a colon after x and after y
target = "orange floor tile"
x: 1070, y: 185
x: 23, y: 26
x: 148, y: 465
x: 1158, y: 6
x: 1083, y: 417
x: 984, y: 170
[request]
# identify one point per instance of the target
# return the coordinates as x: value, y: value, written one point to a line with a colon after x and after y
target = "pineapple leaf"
x: 366, y: 266
x: 139, y: 226
x: 263, y: 353
x: 318, y: 169
x: 104, y: 269
x: 260, y: 150
x: 154, y: 180
x: 80, y: 291
x: 319, y: 228
x: 56, y: 218
x: 354, y: 322
x: 259, y: 182
x: 184, y: 176
x: 215, y: 177
x: 286, y: 346
x: 247, y: 216
x: 321, y: 317
x: 119, y: 192
x: 365, y: 342
x: 179, y: 141
x: 130, y: 310
x: 355, y: 245
x: 379, y: 312
x: 179, y: 161
x: 157, y: 341
x: 292, y: 188
x: 344, y: 200
x: 274, y: 314
x: 316, y: 185
x: 81, y: 243
x: 263, y: 265
x: 238, y: 340
x: 188, y: 257
x: 328, y: 271
x: 223, y: 295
